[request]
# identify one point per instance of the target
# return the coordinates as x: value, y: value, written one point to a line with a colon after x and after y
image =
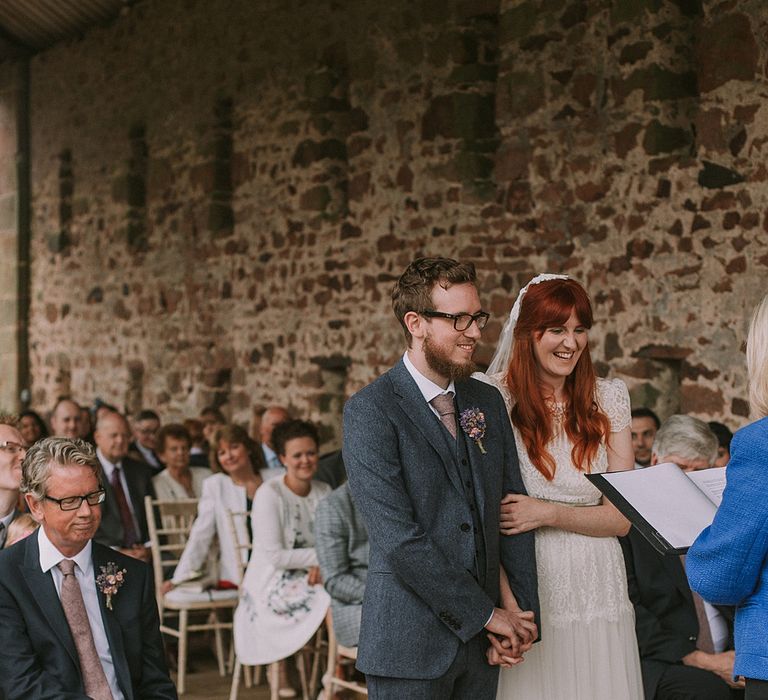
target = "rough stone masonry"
x: 225, y: 190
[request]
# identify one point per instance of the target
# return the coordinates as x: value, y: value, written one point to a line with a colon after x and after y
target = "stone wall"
x: 224, y: 190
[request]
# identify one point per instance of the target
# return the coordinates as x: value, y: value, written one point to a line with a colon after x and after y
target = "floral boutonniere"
x: 109, y: 581
x: 473, y: 424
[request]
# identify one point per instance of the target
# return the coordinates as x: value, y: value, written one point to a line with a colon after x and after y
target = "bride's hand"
x: 523, y: 513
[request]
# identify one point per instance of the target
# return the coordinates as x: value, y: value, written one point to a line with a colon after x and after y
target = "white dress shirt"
x: 426, y: 386
x: 49, y: 559
x: 149, y: 457
x: 271, y: 458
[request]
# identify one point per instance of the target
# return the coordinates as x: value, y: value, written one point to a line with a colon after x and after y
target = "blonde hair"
x: 757, y: 359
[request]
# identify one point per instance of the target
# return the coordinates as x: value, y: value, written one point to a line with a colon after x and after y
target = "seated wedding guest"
x: 23, y: 525
x: 12, y: 451
x: 212, y: 419
x: 331, y: 470
x: 236, y: 463
x: 32, y: 427
x: 65, y: 419
x: 85, y: 425
x: 270, y: 419
x: 142, y: 449
x: 728, y: 562
x: 341, y: 541
x: 126, y: 482
x: 686, y: 647
x: 724, y: 437
x: 178, y: 480
x: 198, y: 445
x: 66, y: 631
x: 283, y: 602
x: 645, y: 423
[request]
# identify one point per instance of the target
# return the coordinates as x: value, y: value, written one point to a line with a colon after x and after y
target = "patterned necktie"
x: 443, y: 404
x: 704, y: 641
x: 126, y: 517
x: 94, y: 678
x: 3, y: 535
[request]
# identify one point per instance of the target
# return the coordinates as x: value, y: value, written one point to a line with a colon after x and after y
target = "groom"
x: 428, y: 488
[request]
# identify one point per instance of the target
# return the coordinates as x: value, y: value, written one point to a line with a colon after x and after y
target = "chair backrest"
x: 169, y: 523
x: 243, y: 549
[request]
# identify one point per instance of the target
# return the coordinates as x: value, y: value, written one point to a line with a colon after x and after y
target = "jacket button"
x: 465, y: 527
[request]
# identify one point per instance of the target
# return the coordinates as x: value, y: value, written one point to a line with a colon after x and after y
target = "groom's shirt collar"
x: 426, y: 386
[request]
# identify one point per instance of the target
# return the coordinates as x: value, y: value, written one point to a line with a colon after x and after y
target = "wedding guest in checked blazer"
x: 341, y: 541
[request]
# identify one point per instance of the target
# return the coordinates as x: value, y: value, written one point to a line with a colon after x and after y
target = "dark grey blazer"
x: 420, y: 601
x: 39, y: 660
x: 139, y: 478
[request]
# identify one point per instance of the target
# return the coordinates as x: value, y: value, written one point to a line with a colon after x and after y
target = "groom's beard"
x: 440, y: 361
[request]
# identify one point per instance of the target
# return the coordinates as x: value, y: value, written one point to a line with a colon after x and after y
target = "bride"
x: 567, y: 423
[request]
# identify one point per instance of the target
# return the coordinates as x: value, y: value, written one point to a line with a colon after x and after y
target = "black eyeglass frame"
x: 480, y: 318
x: 100, y: 497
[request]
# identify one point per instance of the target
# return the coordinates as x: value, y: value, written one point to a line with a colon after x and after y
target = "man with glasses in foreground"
x: 77, y: 619
x: 12, y: 450
x: 430, y: 453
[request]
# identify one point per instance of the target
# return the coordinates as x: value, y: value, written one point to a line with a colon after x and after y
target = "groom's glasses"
x: 461, y: 322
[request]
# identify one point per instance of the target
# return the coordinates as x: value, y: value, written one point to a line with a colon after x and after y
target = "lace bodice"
x: 569, y: 485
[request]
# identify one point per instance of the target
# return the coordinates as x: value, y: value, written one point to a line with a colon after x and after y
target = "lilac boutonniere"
x: 109, y: 581
x: 472, y: 422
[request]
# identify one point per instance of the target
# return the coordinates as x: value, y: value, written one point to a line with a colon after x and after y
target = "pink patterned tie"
x: 443, y: 404
x: 94, y: 678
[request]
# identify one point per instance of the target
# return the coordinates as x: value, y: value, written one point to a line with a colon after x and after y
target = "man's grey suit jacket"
x: 39, y: 659
x: 421, y: 602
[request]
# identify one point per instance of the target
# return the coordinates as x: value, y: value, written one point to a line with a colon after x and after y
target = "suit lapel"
x: 112, y: 626
x: 44, y: 594
x: 418, y: 412
x: 465, y: 399
x: 674, y: 566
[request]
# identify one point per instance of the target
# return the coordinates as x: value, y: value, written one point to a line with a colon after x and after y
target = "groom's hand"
x: 514, y: 630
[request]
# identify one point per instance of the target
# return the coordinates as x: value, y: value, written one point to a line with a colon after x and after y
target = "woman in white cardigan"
x: 282, y: 600
x: 233, y: 488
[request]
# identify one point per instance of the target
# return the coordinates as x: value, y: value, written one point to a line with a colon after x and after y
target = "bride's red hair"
x: 547, y: 305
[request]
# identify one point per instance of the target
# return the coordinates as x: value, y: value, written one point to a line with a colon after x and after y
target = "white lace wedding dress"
x: 588, y: 648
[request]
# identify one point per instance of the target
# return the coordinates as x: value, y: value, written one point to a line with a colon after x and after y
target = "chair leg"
x: 302, y: 674
x: 274, y: 681
x: 219, y: 644
x: 257, y: 670
x: 182, y: 660
x: 233, y: 691
x: 316, y: 656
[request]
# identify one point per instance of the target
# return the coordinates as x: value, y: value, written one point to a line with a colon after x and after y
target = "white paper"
x: 710, y: 481
x: 669, y: 501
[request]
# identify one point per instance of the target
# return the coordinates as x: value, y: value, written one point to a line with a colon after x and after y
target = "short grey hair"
x: 687, y: 437
x: 54, y: 451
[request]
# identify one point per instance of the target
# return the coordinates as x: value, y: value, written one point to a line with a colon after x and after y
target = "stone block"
x: 726, y: 50
x: 660, y: 138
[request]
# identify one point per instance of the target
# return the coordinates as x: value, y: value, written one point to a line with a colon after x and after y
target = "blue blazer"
x: 420, y: 601
x: 727, y: 562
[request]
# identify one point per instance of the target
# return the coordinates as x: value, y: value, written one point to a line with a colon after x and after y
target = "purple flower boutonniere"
x: 472, y: 422
x: 109, y: 581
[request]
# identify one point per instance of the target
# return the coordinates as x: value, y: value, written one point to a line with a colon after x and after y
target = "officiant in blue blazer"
x: 430, y: 453
x: 728, y: 563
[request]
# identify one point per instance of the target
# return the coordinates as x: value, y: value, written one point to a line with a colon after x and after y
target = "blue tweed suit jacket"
x: 421, y: 602
x: 728, y: 562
